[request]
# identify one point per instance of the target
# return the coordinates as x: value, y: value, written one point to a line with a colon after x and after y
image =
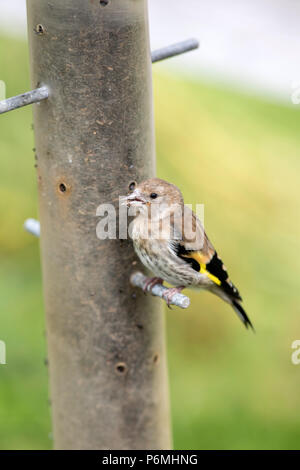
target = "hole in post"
x: 132, y: 185
x: 39, y: 29
x: 103, y: 3
x: 62, y: 187
x: 121, y: 368
x: 155, y: 358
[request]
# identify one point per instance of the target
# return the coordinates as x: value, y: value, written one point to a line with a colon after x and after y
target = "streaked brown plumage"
x: 171, y: 242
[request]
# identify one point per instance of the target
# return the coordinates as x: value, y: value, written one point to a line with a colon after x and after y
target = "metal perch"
x: 174, y: 49
x: 32, y: 226
x: 139, y: 280
x: 19, y: 101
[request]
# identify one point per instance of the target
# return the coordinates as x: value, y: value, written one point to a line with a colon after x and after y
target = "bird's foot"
x: 168, y: 294
x: 151, y: 282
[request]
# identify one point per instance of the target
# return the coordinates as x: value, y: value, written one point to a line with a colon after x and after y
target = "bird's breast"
x: 158, y: 258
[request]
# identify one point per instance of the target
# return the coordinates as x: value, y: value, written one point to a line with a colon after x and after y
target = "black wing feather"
x: 216, y: 267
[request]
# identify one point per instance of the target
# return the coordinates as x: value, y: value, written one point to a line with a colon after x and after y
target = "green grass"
x: 238, y: 155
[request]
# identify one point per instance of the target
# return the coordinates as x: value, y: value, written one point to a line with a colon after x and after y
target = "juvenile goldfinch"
x: 171, y: 242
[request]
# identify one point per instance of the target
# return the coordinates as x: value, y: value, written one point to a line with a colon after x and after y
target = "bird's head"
x: 154, y: 194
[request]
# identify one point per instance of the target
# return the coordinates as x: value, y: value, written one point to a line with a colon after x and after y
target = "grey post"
x: 42, y: 93
x: 94, y: 136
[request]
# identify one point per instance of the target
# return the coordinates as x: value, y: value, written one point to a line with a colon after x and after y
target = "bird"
x: 171, y: 242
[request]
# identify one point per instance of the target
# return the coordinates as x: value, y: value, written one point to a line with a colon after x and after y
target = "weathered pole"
x: 94, y: 136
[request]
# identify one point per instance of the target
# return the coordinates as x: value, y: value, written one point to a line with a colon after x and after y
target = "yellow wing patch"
x: 196, y: 255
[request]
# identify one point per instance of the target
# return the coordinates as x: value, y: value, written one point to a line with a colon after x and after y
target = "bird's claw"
x: 168, y: 294
x: 151, y: 282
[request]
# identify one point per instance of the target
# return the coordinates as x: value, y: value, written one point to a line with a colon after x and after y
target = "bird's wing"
x: 192, y: 245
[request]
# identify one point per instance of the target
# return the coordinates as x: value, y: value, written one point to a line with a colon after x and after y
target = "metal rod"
x: 93, y: 138
x: 30, y: 97
x: 139, y: 280
x: 174, y: 49
x: 32, y: 226
x: 40, y: 94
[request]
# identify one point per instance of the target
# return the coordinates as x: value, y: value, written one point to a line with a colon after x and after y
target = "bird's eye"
x: 153, y: 195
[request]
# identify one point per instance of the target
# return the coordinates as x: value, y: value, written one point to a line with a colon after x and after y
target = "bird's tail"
x: 241, y: 313
x: 236, y: 305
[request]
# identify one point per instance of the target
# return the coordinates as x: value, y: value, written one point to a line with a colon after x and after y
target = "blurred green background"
x: 239, y: 155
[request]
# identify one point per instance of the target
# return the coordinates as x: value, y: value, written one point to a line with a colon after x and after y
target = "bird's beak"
x: 135, y: 199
